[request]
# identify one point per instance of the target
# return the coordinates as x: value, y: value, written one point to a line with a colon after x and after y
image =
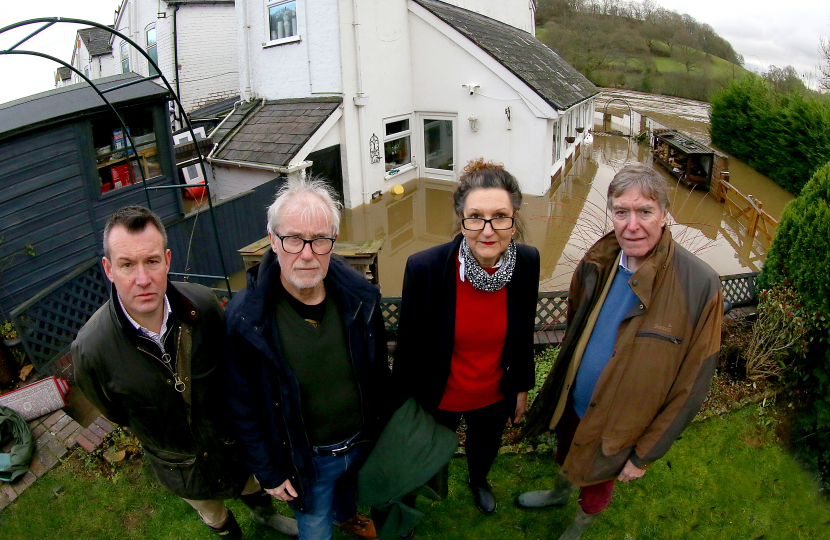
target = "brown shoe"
x: 360, y: 525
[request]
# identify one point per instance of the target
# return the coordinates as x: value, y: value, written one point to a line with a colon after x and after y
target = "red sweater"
x: 480, y: 331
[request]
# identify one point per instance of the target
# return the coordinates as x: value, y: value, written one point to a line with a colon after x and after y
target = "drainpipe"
x: 360, y: 101
x: 176, y: 59
x: 245, y: 90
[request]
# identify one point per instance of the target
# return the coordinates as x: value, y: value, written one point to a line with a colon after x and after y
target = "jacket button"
x: 206, y: 454
x: 576, y: 444
x: 192, y: 313
x: 594, y: 404
x: 642, y: 306
x: 635, y: 283
x: 169, y: 381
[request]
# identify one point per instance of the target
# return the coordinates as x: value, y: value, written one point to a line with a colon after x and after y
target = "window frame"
x: 397, y: 136
x: 152, y: 50
x: 268, y: 4
x: 125, y: 56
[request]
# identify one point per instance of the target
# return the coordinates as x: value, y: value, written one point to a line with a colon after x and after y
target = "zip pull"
x: 179, y: 385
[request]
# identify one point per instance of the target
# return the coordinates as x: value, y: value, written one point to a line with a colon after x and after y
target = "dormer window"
x: 283, y: 22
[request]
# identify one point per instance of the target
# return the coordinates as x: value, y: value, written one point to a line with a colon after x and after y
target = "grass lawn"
x: 727, y: 478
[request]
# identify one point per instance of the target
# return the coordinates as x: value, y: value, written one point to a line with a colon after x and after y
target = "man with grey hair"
x: 641, y: 346
x: 307, y: 364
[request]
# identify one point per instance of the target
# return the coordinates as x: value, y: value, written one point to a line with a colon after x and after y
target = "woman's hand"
x: 521, y: 407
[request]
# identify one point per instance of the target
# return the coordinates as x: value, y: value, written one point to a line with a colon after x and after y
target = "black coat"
x: 265, y: 392
x: 426, y: 331
x: 119, y: 371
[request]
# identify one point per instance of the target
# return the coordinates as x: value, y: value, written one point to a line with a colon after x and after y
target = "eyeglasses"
x: 477, y: 224
x: 295, y: 244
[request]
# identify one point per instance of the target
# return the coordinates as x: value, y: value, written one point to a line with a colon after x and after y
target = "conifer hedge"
x: 799, y: 257
x: 783, y: 136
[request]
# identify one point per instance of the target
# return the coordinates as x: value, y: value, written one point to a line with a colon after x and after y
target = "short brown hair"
x: 135, y: 219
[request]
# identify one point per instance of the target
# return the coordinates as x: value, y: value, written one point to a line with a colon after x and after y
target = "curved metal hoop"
x: 50, y: 21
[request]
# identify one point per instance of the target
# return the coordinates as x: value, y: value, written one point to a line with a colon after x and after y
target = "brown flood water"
x: 563, y: 223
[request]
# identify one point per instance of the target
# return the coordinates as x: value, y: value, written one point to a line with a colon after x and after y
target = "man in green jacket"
x: 150, y: 359
x: 641, y: 346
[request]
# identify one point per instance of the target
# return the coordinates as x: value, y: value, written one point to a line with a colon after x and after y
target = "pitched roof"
x: 273, y: 133
x: 96, y: 40
x: 64, y: 73
x: 73, y: 101
x: 556, y: 81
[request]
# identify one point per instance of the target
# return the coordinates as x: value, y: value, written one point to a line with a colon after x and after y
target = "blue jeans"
x: 333, y: 496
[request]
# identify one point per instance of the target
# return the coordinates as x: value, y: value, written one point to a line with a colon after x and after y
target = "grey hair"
x: 293, y: 195
x: 647, y: 180
x: 135, y: 219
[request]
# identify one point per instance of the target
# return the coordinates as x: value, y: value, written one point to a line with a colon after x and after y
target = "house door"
x: 438, y: 145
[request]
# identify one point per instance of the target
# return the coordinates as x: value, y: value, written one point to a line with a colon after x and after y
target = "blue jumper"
x: 619, y: 300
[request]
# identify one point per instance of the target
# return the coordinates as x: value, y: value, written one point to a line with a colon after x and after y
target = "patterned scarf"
x: 479, y: 278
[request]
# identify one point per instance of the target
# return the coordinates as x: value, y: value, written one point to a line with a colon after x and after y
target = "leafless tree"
x: 824, y: 67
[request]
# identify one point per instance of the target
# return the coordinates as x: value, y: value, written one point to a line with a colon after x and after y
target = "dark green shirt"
x: 318, y: 352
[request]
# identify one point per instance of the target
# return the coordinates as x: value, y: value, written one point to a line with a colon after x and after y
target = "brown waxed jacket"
x: 659, y: 373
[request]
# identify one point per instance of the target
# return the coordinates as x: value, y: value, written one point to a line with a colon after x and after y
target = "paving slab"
x: 50, y: 420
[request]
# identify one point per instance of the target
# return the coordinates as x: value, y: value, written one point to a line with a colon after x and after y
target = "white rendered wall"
x: 387, y: 84
x: 301, y: 68
x: 441, y: 67
x: 518, y: 13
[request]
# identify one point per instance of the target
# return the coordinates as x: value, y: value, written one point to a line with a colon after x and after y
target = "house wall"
x: 99, y: 66
x: 305, y: 67
x: 518, y: 13
x: 208, y: 59
x: 523, y: 143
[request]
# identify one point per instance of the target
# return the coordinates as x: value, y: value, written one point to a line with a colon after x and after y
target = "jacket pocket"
x: 660, y: 335
x: 609, y: 459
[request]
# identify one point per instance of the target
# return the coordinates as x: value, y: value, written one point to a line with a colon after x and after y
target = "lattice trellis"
x: 49, y: 322
x: 740, y: 289
x: 391, y: 309
x: 551, y: 310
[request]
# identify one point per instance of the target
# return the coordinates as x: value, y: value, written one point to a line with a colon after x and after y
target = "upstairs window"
x: 397, y: 147
x: 282, y: 20
x: 152, y: 52
x: 125, y: 57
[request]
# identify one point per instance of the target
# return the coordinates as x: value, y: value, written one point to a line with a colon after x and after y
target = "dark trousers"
x: 594, y: 498
x: 484, y: 430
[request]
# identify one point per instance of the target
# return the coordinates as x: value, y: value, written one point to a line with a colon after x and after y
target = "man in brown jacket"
x: 644, y: 319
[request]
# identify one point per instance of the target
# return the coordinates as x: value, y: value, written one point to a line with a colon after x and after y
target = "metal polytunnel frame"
x: 48, y: 22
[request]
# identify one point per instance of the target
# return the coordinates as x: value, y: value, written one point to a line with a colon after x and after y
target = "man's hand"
x: 284, y: 492
x: 521, y: 407
x: 630, y: 472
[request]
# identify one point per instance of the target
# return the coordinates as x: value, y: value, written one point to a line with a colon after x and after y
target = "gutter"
x: 263, y: 166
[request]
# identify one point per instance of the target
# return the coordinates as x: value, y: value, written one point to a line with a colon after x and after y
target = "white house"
x: 197, y: 35
x: 399, y: 89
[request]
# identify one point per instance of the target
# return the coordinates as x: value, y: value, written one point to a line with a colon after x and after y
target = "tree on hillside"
x: 687, y: 52
x: 784, y: 80
x: 824, y: 67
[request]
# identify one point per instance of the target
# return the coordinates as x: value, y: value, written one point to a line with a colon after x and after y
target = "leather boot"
x: 263, y: 512
x: 484, y: 498
x: 558, y: 496
x: 580, y: 524
x: 230, y: 530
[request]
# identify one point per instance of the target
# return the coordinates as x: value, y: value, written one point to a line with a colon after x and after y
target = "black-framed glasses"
x: 477, y: 224
x: 295, y: 244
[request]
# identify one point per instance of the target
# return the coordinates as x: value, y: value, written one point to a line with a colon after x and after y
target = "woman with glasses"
x: 465, y: 339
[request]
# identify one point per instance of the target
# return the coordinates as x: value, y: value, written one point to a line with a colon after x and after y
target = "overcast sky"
x: 765, y: 32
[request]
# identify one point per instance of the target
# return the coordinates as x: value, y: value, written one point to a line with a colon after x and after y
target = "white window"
x: 397, y: 142
x: 86, y: 72
x: 125, y: 57
x: 282, y: 21
x: 557, y: 141
x: 152, y: 52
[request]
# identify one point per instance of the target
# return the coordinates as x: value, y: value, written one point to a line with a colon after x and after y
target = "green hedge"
x: 783, y: 136
x: 800, y: 257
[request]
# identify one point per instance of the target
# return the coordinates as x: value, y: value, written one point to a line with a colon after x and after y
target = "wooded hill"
x: 639, y: 45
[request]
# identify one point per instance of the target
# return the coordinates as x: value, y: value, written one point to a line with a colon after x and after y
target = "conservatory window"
x: 397, y: 146
x: 282, y: 21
